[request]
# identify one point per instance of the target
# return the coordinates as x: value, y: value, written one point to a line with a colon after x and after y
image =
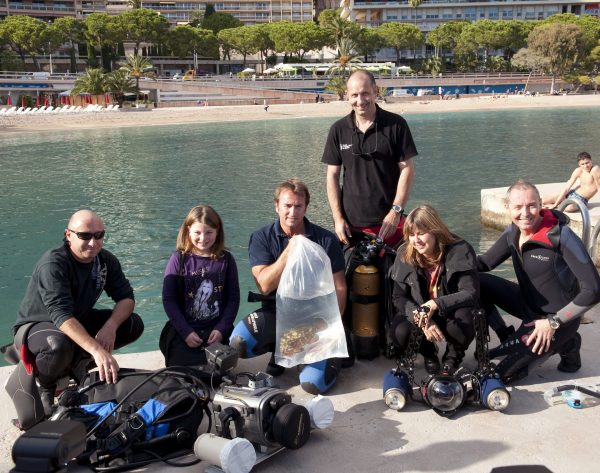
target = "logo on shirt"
x: 344, y: 146
x: 541, y: 258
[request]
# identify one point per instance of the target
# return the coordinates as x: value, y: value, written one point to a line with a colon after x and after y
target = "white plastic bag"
x: 309, y: 324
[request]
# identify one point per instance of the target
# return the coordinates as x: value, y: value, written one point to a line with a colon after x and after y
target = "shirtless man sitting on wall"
x: 588, y: 174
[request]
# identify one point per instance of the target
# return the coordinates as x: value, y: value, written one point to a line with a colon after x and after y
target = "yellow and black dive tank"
x: 365, y: 311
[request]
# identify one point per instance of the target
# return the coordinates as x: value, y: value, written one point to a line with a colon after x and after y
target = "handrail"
x: 592, y: 247
x: 585, y: 219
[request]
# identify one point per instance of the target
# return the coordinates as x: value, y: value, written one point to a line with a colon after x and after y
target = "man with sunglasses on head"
x: 57, y: 328
x: 374, y: 147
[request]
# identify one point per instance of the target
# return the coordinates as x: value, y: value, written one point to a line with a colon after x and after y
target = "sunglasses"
x: 368, y: 155
x: 88, y: 235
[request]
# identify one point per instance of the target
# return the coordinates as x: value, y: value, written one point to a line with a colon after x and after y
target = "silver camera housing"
x: 260, y: 413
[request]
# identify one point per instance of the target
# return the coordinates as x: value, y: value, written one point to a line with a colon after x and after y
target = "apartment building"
x: 433, y: 12
x: 367, y: 12
x: 250, y: 12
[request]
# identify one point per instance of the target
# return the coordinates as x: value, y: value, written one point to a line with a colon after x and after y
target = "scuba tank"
x: 365, y: 311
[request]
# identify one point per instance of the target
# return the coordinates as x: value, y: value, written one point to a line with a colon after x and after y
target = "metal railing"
x: 593, y: 239
x: 585, y: 222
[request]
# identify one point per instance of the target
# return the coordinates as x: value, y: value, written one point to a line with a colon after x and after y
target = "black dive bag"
x: 147, y: 416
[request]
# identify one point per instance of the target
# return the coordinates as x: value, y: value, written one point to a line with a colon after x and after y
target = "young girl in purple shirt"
x: 201, y: 292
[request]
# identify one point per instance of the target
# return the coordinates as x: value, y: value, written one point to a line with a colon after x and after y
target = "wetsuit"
x: 62, y: 288
x: 256, y: 332
x: 555, y: 275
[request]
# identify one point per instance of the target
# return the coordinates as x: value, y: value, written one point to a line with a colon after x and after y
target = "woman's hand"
x: 433, y: 333
x: 423, y: 317
x: 193, y: 340
x: 214, y: 337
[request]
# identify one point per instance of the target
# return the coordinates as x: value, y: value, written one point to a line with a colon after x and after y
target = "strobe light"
x: 396, y: 389
x: 494, y: 394
x: 444, y: 393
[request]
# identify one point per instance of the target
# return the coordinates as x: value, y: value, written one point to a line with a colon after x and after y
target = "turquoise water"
x: 142, y: 181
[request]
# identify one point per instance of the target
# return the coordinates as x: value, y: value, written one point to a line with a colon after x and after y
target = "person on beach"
x: 588, y: 175
x: 201, y: 291
x: 268, y: 251
x: 265, y: 105
x: 437, y: 269
x: 557, y: 283
x: 374, y: 147
x: 57, y: 328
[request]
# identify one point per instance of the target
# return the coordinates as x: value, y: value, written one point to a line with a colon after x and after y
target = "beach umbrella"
x: 248, y: 70
x: 37, y: 100
x: 8, y: 100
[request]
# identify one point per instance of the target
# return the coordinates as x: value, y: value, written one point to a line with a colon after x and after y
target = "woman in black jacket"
x: 437, y: 269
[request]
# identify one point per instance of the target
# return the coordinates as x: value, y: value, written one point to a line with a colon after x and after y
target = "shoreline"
x: 189, y: 115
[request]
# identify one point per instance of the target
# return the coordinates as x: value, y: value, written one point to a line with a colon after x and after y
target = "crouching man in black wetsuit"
x: 57, y: 328
x: 557, y: 284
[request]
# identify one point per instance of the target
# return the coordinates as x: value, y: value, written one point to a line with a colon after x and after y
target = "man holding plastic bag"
x: 304, y: 265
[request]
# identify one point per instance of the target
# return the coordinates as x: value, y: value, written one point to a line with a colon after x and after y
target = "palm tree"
x: 119, y: 83
x: 345, y: 58
x: 93, y: 82
x: 415, y: 4
x: 137, y: 67
x: 337, y: 85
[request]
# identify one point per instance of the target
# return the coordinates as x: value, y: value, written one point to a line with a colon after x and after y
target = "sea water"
x: 143, y: 181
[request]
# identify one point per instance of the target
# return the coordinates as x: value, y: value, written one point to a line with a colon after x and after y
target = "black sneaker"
x: 504, y: 333
x: 452, y: 359
x: 570, y: 358
x: 516, y: 376
x: 432, y: 365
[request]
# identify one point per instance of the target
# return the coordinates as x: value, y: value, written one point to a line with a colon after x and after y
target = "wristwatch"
x: 398, y: 209
x: 554, y: 321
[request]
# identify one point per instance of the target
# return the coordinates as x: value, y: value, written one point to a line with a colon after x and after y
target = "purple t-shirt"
x: 208, y: 296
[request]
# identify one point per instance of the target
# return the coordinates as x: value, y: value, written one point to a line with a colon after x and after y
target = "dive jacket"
x: 554, y: 271
x: 458, y: 285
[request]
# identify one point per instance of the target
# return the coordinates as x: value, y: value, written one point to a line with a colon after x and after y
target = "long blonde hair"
x: 208, y: 216
x: 425, y: 219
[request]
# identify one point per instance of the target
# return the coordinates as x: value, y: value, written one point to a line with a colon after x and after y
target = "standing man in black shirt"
x: 375, y: 148
x: 57, y: 326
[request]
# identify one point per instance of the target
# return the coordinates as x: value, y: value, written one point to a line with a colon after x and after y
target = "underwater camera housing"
x: 220, y: 359
x: 260, y: 413
x: 446, y: 392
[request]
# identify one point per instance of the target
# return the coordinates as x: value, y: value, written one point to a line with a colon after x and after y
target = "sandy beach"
x: 188, y: 115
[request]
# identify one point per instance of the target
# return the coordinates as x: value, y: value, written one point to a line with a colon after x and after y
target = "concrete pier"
x: 493, y: 211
